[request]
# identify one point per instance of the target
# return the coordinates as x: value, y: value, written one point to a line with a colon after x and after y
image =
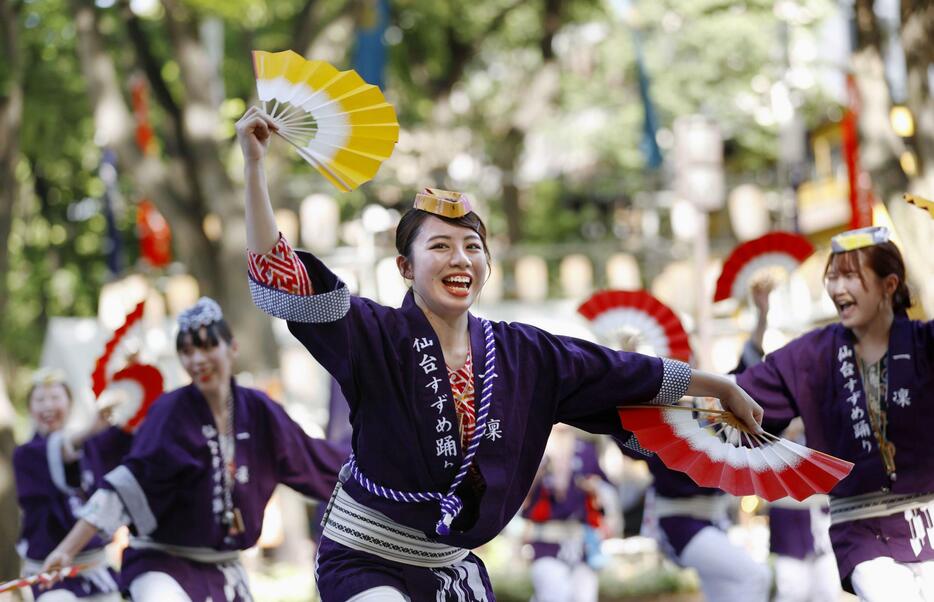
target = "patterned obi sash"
x: 703, y: 507
x: 357, y: 527
x: 875, y: 505
x: 203, y: 555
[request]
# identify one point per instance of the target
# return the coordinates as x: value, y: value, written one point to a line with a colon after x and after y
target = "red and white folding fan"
x: 784, y: 250
x: 614, y: 314
x: 125, y: 386
x: 715, y: 450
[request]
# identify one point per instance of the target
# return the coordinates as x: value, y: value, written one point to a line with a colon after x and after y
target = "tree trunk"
x: 200, y: 115
x: 11, y: 113
x: 186, y: 186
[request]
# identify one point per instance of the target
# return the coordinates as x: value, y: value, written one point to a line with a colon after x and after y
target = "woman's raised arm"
x: 254, y: 130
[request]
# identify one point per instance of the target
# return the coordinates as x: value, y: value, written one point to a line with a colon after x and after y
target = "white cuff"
x: 54, y: 454
x: 133, y: 499
x: 676, y: 379
x: 105, y: 510
x: 313, y: 309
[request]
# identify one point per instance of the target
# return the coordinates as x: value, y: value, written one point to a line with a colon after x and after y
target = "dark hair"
x: 884, y: 259
x: 412, y: 221
x: 214, y: 333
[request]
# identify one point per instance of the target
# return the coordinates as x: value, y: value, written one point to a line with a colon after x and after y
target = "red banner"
x: 860, y: 185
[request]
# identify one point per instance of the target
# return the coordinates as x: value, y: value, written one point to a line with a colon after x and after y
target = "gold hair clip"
x: 445, y: 203
x: 48, y: 376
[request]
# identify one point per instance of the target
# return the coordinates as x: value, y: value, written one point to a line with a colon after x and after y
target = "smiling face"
x: 858, y: 293
x: 208, y: 359
x: 48, y: 406
x: 447, y: 264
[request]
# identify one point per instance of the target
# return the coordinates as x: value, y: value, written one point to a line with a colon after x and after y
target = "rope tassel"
x: 451, y: 507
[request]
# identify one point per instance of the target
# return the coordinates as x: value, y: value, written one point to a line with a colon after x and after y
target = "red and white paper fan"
x: 774, y: 250
x: 125, y: 386
x: 713, y: 448
x: 613, y: 313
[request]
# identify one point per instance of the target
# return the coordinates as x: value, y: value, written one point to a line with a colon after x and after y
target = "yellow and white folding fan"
x: 339, y: 123
x: 920, y: 202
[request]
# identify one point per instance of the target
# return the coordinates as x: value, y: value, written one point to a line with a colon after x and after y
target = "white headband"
x: 203, y: 313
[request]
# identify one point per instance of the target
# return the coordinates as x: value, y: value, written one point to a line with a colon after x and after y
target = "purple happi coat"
x: 816, y: 377
x: 51, y: 491
x: 170, y: 481
x: 390, y: 367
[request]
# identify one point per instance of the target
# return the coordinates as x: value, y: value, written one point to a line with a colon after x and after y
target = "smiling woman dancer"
x: 55, y: 473
x: 450, y: 412
x: 865, y: 390
x: 196, y: 482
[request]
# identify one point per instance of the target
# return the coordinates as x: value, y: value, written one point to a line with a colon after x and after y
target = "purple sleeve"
x: 31, y: 471
x: 927, y: 338
x: 326, y: 323
x: 772, y: 384
x: 105, y: 451
x: 590, y: 381
x: 309, y: 466
x: 157, y: 468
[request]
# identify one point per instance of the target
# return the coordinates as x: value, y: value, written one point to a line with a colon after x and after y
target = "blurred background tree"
x: 535, y: 106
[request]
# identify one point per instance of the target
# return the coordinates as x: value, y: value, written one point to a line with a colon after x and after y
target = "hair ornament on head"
x: 859, y: 239
x: 47, y: 376
x: 445, y: 203
x: 203, y: 313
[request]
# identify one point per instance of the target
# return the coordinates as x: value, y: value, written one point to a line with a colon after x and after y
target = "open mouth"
x: 50, y: 420
x: 458, y: 285
x: 846, y: 308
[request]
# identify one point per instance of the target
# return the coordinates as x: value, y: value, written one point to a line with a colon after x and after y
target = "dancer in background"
x: 55, y: 474
x: 565, y: 517
x: 199, y: 475
x: 799, y: 540
x: 805, y: 569
x: 450, y: 413
x: 864, y: 388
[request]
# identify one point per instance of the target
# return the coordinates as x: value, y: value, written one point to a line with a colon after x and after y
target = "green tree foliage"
x: 534, y: 106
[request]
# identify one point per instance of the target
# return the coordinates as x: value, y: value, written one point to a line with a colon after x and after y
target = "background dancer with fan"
x: 802, y: 558
x: 687, y: 520
x: 566, y: 519
x: 865, y: 389
x: 55, y: 474
x: 450, y: 412
x: 196, y: 482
